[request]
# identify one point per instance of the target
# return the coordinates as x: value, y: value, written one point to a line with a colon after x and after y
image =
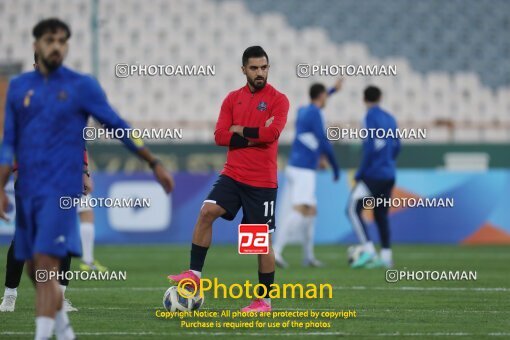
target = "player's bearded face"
x: 256, y: 71
x: 51, y: 49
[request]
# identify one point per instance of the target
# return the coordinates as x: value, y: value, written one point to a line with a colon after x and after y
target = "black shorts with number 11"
x: 258, y: 203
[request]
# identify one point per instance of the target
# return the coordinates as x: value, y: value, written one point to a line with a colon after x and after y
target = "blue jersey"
x: 44, y: 121
x: 311, y: 140
x: 379, y: 155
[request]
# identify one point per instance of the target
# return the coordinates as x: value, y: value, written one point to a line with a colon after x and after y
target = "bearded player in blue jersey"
x: 45, y: 114
x: 309, y: 144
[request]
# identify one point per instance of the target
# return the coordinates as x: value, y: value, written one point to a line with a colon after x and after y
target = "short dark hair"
x: 372, y: 94
x: 50, y: 25
x: 316, y: 90
x: 254, y: 52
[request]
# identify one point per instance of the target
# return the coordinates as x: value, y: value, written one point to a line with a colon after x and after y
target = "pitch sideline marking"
x: 276, y: 334
x: 409, y: 288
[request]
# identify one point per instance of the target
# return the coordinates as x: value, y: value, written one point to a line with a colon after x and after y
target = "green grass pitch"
x: 412, y: 309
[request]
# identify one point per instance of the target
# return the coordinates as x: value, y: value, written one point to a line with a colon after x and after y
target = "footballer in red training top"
x: 250, y: 123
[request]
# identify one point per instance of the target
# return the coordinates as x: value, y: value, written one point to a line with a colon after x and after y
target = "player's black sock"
x: 65, y: 265
x: 14, y: 269
x: 266, y: 279
x: 198, y: 254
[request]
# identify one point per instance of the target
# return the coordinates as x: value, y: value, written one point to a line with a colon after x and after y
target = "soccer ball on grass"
x: 173, y: 301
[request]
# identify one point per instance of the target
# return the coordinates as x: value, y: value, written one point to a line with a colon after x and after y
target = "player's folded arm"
x: 264, y: 135
x: 268, y: 134
x: 95, y: 103
x: 226, y: 138
x: 222, y: 134
x: 238, y: 141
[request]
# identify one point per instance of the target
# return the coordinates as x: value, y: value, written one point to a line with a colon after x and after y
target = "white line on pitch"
x: 275, y: 334
x: 324, y: 309
x: 476, y: 289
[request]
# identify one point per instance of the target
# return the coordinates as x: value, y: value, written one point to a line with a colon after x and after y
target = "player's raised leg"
x: 222, y: 201
x: 202, y: 237
x: 13, y: 272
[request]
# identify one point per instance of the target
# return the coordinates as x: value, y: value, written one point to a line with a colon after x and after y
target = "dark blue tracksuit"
x: 376, y: 174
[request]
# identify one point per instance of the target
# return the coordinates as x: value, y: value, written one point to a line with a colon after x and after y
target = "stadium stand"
x: 459, y: 85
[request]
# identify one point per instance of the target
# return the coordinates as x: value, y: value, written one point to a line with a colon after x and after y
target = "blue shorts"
x: 42, y: 227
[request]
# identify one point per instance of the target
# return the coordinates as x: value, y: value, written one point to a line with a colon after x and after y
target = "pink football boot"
x: 257, y: 305
x: 185, y: 275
